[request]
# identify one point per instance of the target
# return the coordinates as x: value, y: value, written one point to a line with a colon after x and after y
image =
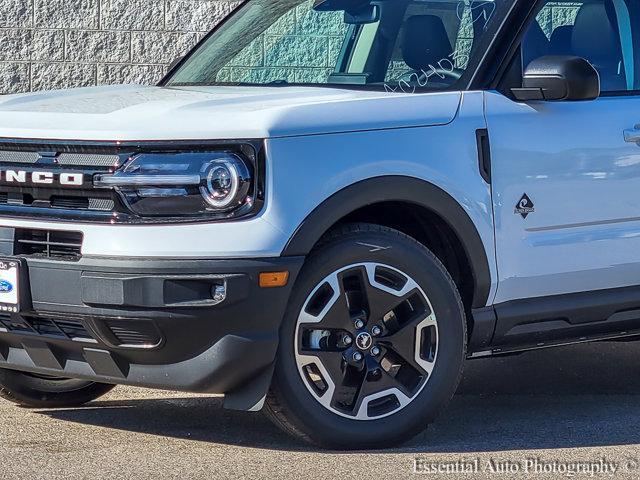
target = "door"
x: 566, y: 178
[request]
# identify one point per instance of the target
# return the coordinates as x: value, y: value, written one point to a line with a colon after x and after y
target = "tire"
x: 368, y: 406
x: 36, y: 391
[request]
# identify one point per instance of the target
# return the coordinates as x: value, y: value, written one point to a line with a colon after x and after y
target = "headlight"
x: 184, y: 184
x: 223, y: 182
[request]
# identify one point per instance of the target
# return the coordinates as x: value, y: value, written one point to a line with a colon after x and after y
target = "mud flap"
x: 251, y: 396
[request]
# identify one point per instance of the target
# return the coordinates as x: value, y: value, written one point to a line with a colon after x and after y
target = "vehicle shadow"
x: 579, y: 396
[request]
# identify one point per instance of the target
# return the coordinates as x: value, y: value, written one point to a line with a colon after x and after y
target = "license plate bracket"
x: 13, y: 284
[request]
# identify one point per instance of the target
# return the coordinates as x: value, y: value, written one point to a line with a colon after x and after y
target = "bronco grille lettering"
x: 68, y: 179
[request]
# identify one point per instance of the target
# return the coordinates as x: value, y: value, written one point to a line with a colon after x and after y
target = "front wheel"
x: 372, y: 345
x: 42, y: 391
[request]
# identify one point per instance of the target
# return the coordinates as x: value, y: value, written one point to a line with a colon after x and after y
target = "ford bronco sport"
x: 325, y: 208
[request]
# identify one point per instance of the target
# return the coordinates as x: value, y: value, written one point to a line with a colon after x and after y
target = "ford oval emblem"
x: 5, y: 287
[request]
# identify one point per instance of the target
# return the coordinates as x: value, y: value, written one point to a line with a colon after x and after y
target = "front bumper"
x: 149, y: 323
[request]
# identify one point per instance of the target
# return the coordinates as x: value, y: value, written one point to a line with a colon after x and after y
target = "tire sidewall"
x: 32, y: 391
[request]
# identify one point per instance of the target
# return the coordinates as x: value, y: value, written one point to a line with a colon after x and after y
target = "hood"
x: 140, y: 113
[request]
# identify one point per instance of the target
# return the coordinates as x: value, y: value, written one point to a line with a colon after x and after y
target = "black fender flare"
x: 398, y: 189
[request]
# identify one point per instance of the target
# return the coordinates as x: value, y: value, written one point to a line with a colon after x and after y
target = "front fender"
x: 398, y: 189
x: 314, y: 181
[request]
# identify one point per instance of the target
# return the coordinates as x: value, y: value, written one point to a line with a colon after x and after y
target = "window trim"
x: 620, y: 93
x: 350, y: 39
x: 493, y: 66
x: 365, y: 37
x: 628, y: 51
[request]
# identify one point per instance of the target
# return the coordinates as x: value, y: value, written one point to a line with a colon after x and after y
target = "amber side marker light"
x: 274, y: 279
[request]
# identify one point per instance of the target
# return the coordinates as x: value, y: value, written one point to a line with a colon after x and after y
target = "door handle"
x: 633, y: 135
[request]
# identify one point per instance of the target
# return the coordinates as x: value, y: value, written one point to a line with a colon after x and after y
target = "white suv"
x: 325, y: 208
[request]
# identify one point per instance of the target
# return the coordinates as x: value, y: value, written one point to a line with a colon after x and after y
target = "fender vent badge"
x: 525, y: 206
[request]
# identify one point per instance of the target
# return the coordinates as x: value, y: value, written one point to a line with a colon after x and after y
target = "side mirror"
x: 559, y: 77
x: 362, y: 16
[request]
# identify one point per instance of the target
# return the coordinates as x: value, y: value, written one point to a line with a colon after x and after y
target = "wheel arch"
x: 399, y: 190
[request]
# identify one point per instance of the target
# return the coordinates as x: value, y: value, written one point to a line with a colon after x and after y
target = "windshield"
x: 394, y: 45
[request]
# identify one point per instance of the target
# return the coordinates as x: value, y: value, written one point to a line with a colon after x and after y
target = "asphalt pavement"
x: 571, y: 412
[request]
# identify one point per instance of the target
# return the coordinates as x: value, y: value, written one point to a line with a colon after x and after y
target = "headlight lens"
x: 222, y: 183
x: 219, y: 184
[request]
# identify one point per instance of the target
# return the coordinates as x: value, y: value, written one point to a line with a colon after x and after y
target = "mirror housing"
x: 559, y: 78
x: 363, y: 16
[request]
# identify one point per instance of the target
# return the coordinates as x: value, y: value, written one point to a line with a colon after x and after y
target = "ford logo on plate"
x: 5, y: 287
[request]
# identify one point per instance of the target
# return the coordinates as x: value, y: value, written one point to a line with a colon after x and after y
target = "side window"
x: 597, y: 30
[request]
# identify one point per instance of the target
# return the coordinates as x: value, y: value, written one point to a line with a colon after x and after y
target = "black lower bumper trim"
x: 231, y: 362
x: 150, y: 325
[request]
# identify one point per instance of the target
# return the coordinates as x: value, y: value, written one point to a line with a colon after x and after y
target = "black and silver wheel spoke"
x: 409, y: 342
x: 381, y: 302
x: 366, y: 341
x: 327, y: 365
x: 336, y: 318
x: 378, y: 389
x: 335, y: 304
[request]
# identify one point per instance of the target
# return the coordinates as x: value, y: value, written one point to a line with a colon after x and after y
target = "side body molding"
x: 398, y: 189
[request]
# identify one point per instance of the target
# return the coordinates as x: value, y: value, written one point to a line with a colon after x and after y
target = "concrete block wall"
x: 48, y: 44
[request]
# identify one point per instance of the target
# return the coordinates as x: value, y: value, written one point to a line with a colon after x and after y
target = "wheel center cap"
x: 364, y: 341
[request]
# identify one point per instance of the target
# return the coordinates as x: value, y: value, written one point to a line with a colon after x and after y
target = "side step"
x: 540, y: 346
x: 558, y: 320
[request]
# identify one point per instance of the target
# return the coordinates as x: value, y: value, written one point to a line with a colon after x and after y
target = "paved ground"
x: 577, y: 404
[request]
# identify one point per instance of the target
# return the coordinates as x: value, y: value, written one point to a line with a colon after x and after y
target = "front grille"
x: 88, y: 160
x: 50, y: 200
x: 102, y: 204
x: 71, y: 329
x: 19, y: 157
x: 114, y: 332
x: 53, y: 244
x: 79, y: 202
x: 64, y: 159
x: 46, y: 327
x: 134, y: 333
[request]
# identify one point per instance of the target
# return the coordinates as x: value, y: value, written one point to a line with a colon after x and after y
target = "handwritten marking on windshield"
x: 465, y: 11
x: 421, y: 78
x: 487, y: 9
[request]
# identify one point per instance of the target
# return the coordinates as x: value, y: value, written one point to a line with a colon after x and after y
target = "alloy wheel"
x: 366, y: 341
